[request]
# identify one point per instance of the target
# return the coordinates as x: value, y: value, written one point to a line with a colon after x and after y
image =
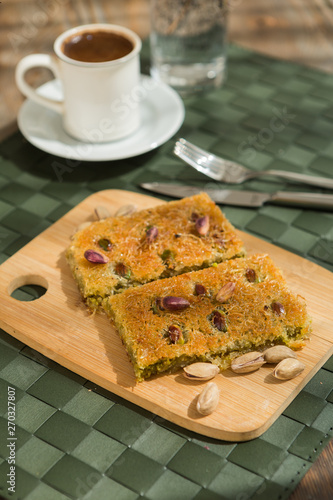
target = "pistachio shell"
x: 83, y: 225
x: 201, y: 371
x: 277, y: 353
x: 102, y: 212
x: 125, y: 210
x: 248, y: 362
x: 288, y: 368
x: 208, y: 399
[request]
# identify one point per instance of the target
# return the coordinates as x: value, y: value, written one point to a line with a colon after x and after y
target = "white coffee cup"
x: 96, y: 104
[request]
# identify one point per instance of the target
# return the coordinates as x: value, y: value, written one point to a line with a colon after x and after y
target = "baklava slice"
x: 117, y: 253
x: 211, y: 315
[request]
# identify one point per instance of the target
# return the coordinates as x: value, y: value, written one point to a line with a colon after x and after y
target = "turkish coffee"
x: 96, y: 46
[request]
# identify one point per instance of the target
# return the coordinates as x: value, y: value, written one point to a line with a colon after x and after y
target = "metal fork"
x: 231, y: 172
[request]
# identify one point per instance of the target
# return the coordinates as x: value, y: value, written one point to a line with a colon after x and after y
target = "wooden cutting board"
x: 59, y: 326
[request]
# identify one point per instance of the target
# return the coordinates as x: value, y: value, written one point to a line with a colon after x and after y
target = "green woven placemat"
x: 78, y: 441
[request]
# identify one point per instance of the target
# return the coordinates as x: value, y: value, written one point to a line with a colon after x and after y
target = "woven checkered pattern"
x: 78, y: 441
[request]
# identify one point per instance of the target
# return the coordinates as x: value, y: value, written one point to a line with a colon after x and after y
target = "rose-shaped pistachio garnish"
x: 278, y: 308
x: 225, y: 292
x: 200, y: 289
x: 95, y: 257
x: 219, y: 321
x: 151, y: 234
x: 202, y: 225
x: 250, y: 275
x: 172, y: 303
x: 105, y: 244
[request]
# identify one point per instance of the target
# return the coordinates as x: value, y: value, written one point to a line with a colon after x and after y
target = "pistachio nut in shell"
x: 81, y: 226
x: 125, y: 210
x: 288, y: 368
x: 208, y: 399
x: 248, y: 362
x: 201, y: 371
x: 101, y: 212
x: 277, y: 353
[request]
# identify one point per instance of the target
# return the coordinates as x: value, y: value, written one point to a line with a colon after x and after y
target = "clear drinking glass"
x: 188, y: 43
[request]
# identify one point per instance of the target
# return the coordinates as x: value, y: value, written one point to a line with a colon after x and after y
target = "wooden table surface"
x: 295, y: 30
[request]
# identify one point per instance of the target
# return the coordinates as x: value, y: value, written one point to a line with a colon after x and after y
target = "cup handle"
x: 33, y: 61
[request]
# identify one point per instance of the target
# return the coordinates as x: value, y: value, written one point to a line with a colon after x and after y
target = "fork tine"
x: 188, y: 152
x: 188, y: 145
x: 201, y: 163
x: 221, y: 166
x: 200, y: 154
x: 197, y: 166
x: 201, y: 157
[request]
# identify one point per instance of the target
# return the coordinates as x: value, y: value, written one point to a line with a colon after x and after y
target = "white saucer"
x: 162, y: 114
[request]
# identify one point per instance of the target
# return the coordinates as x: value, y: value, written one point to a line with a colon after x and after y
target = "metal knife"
x: 245, y: 198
